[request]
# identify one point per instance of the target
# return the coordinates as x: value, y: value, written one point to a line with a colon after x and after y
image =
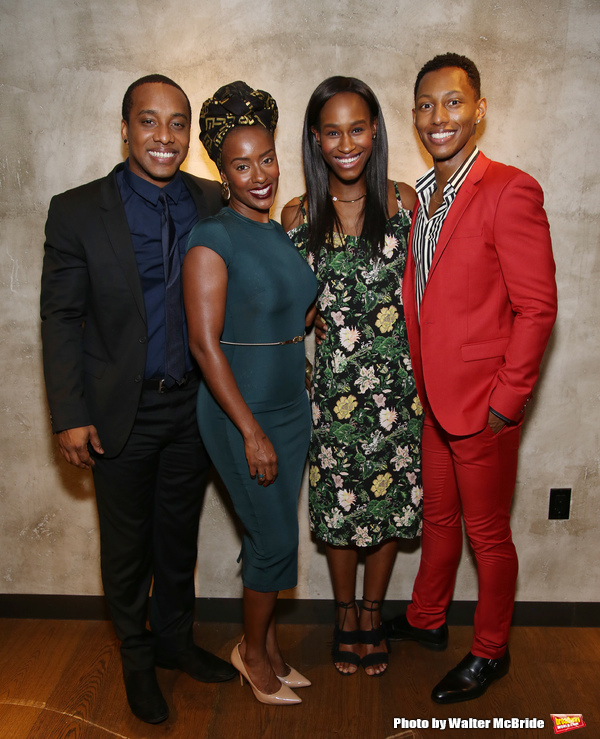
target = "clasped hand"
x: 495, y: 423
x: 261, y: 457
x: 73, y: 445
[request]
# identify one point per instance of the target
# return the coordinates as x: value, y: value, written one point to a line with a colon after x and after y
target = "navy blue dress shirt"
x: 143, y: 212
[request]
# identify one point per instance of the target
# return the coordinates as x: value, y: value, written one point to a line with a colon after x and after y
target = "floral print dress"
x: 364, y: 457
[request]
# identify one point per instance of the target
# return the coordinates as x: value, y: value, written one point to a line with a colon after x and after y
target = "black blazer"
x: 92, y: 308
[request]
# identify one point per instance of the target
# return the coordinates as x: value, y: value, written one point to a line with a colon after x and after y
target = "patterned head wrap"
x: 232, y: 105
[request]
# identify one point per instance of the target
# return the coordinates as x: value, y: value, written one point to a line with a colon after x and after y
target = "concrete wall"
x: 64, y: 68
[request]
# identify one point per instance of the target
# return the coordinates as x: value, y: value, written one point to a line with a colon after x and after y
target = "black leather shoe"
x: 144, y: 696
x: 398, y: 629
x: 200, y: 664
x: 471, y: 677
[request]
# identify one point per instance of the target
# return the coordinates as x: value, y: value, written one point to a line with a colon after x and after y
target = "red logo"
x: 567, y: 722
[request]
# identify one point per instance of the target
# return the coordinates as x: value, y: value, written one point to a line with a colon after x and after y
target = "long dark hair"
x: 323, y: 219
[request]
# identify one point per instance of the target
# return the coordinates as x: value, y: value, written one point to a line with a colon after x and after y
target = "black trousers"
x: 149, y: 500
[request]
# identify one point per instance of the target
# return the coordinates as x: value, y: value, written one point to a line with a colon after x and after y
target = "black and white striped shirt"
x: 427, y: 230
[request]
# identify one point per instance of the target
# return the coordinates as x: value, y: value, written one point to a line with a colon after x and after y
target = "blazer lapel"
x: 466, y: 193
x: 409, y: 296
x: 197, y: 195
x: 117, y: 230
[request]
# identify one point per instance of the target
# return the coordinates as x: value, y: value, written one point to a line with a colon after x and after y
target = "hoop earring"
x: 225, y: 191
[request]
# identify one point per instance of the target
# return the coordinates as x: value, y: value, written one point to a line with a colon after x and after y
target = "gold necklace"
x: 435, y: 199
x: 339, y: 200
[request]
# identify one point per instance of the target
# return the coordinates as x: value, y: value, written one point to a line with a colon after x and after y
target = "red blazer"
x: 489, y: 303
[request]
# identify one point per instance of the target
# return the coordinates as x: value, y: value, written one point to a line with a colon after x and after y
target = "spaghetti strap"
x: 399, y: 200
x: 302, y: 208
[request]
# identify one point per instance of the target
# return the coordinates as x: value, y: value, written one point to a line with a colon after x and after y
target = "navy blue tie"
x: 174, y: 344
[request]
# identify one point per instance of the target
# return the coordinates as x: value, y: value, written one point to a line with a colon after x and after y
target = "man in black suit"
x: 121, y: 383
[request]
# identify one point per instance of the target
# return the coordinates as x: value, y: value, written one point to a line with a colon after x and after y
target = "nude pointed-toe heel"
x: 294, y: 679
x: 285, y: 696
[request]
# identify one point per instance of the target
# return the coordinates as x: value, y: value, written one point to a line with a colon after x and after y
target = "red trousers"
x: 476, y: 474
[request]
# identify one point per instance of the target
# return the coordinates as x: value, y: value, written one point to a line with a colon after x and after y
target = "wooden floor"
x: 62, y: 679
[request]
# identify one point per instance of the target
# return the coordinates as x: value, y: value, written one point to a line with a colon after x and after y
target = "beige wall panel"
x: 64, y: 67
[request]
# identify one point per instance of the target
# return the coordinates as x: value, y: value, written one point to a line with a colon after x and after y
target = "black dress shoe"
x: 470, y: 678
x: 199, y: 664
x: 398, y: 629
x: 144, y: 696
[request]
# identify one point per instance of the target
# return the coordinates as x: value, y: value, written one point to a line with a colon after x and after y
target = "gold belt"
x: 295, y: 340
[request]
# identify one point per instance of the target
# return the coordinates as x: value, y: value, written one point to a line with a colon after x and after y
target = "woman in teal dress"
x: 352, y: 227
x: 247, y: 294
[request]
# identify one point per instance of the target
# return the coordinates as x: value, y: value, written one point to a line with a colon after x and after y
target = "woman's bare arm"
x: 205, y: 294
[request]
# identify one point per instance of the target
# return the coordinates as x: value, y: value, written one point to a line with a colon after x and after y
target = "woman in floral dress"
x: 365, y: 491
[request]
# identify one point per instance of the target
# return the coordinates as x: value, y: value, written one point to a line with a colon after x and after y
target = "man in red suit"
x: 480, y: 303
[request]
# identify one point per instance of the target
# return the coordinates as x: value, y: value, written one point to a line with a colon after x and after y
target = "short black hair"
x: 441, y: 61
x: 149, y: 79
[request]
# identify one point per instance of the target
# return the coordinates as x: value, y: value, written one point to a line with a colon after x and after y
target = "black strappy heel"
x: 374, y: 636
x: 349, y: 638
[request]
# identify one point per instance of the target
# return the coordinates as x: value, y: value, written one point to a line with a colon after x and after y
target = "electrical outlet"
x: 560, y: 503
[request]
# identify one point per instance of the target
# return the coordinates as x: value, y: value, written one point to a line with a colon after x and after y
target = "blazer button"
x: 138, y: 378
x: 142, y: 339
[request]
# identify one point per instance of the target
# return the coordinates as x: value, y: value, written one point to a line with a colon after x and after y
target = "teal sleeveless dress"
x: 270, y: 288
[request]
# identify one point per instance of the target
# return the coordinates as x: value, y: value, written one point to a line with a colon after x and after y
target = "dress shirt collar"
x: 150, y: 192
x: 426, y: 184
